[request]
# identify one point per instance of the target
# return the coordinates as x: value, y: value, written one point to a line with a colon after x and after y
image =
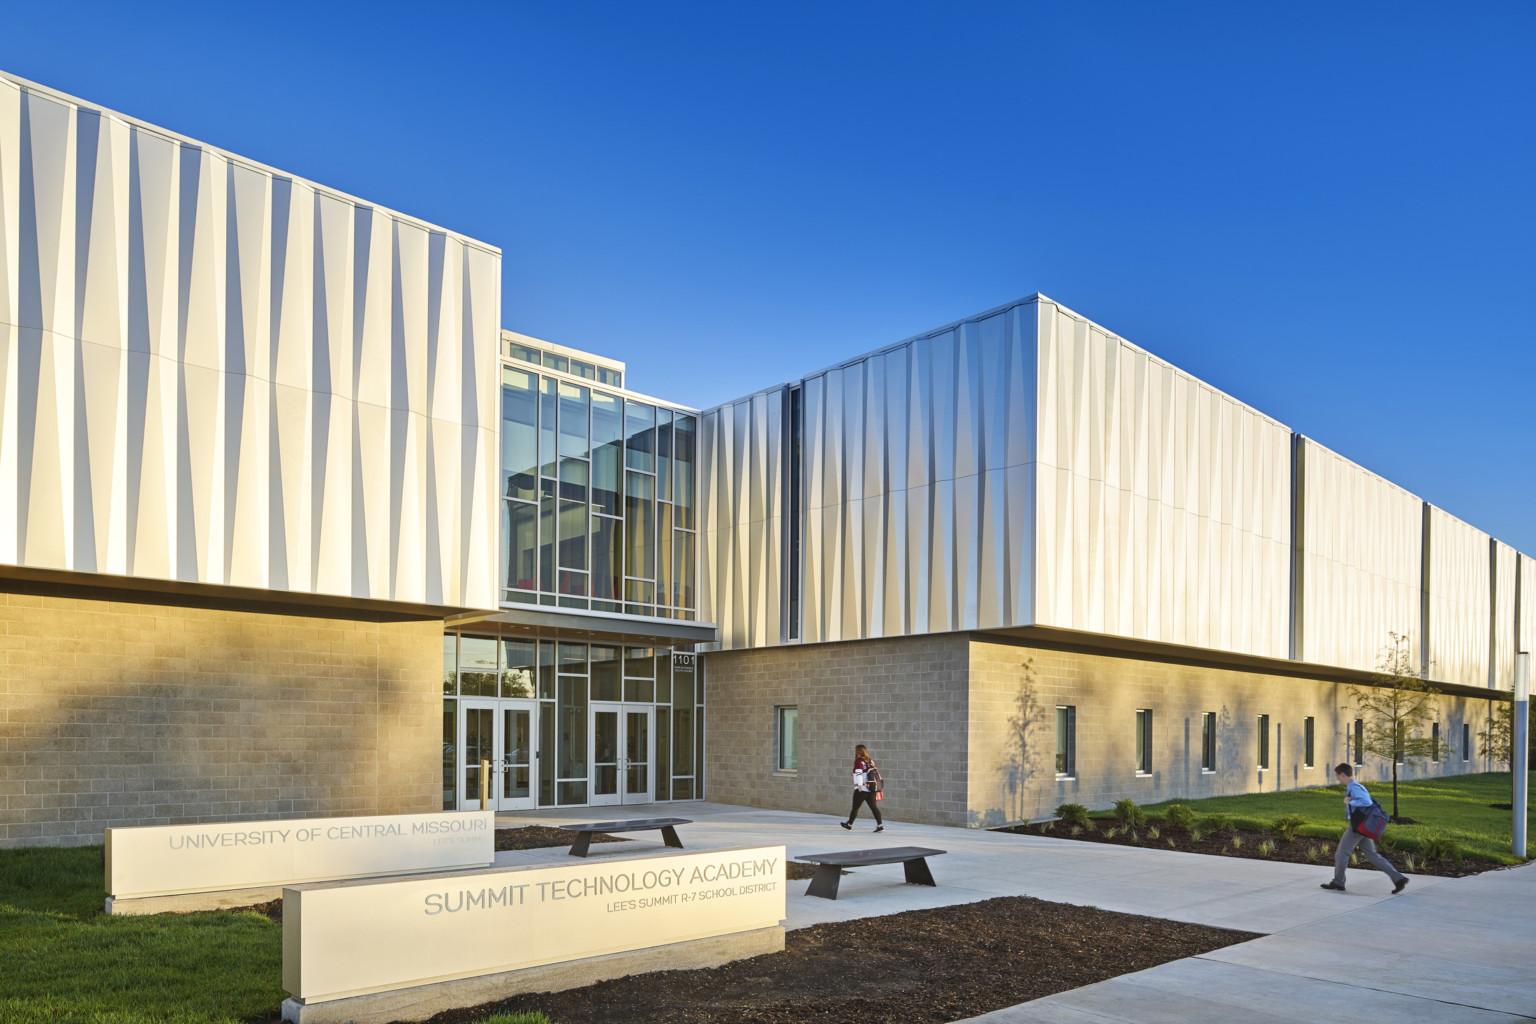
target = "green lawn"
x: 65, y: 962
x: 1455, y: 807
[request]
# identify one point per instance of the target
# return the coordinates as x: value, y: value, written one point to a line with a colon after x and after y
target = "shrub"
x: 1440, y: 848
x: 1153, y: 832
x: 1218, y: 822
x: 1237, y: 842
x: 1195, y: 835
x: 1266, y: 848
x: 1410, y: 865
x: 1170, y: 844
x: 1073, y: 814
x: 1179, y: 816
x: 1288, y: 826
x: 1313, y: 852
x: 1127, y: 811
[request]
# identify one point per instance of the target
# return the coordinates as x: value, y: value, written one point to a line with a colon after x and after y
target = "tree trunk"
x: 1394, y: 785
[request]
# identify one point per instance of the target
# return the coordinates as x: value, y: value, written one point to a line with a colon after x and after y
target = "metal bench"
x: 913, y: 860
x: 668, y: 833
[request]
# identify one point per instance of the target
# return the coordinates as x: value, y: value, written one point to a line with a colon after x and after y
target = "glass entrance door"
x: 622, y: 754
x: 501, y: 732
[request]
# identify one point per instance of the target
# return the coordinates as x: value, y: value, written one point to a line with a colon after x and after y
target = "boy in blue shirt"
x: 1356, y: 802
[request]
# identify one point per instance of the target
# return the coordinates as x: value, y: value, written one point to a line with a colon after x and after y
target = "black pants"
x: 868, y: 798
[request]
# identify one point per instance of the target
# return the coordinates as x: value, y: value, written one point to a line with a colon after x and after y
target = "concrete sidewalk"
x: 1445, y: 950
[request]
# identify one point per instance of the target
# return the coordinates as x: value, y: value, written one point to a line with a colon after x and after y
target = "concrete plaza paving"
x: 1445, y: 950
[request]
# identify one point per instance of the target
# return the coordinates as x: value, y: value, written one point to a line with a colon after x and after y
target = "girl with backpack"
x: 866, y: 787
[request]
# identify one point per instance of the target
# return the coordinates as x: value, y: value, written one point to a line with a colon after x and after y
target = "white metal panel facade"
x: 1362, y: 562
x: 916, y: 481
x: 741, y: 519
x: 1458, y: 601
x: 1505, y: 565
x: 215, y: 373
x: 1163, y: 505
x: 1526, y: 641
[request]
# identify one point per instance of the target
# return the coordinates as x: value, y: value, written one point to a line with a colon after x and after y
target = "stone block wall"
x: 1015, y: 689
x: 905, y: 698
x: 963, y: 726
x: 119, y: 709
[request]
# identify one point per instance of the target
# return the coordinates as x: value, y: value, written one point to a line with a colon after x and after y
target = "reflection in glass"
x: 682, y: 567
x: 640, y: 527
x: 547, y: 426
x: 546, y: 535
x: 682, y: 741
x: 517, y: 735
x: 517, y: 666
x: 607, y: 452
x: 683, y: 443
x: 554, y: 362
x: 637, y: 751
x: 607, y: 560
x: 640, y: 428
x: 573, y: 658
x: 519, y: 433
x: 605, y: 673
x: 519, y: 539
x: 546, y: 674
x: 573, y: 420
x: 664, y: 455
x: 573, y: 727
x: 605, y: 753
x: 664, y: 566
x: 450, y: 664
x: 573, y: 515
x: 477, y: 666
x: 479, y: 729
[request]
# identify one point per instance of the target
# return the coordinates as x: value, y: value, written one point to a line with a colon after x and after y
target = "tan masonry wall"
x: 964, y: 727
x: 904, y: 698
x: 118, y: 713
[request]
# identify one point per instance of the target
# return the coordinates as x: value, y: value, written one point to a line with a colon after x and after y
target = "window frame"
x: 1066, y: 746
x: 1208, y: 743
x: 1309, y: 742
x: 1143, y: 741
x: 781, y: 713
x: 1262, y: 727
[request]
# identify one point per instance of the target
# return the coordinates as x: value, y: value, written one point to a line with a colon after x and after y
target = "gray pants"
x: 1347, y: 844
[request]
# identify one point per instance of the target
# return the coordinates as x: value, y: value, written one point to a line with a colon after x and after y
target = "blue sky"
x: 1326, y: 210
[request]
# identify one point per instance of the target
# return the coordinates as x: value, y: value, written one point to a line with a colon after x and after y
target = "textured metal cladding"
x: 213, y: 373
x: 1163, y: 504
x: 1505, y: 565
x: 911, y: 495
x: 1362, y: 562
x: 1459, y: 601
x: 1526, y: 640
x: 740, y: 544
x: 915, y: 492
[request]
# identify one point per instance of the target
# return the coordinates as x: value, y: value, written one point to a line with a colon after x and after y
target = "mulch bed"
x: 918, y: 967
x: 1312, y: 850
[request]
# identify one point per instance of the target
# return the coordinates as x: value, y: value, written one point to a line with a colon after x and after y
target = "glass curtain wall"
x: 565, y: 678
x: 598, y: 499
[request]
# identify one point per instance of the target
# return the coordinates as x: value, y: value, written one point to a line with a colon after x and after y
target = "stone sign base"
x: 424, y: 1001
x: 185, y: 902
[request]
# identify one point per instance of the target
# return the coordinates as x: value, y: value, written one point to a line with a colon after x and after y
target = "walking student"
x: 863, y: 788
x: 1356, y: 802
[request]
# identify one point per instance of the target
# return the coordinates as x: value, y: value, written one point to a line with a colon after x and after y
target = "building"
x: 289, y: 525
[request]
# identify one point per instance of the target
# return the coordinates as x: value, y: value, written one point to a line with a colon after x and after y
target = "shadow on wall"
x: 1231, y: 765
x: 1031, y: 745
x: 222, y: 724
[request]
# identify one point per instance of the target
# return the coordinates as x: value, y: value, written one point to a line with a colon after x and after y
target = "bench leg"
x: 824, y: 882
x: 669, y: 836
x: 582, y: 844
x: 917, y: 871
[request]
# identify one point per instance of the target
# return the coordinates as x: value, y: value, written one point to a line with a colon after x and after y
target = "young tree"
x: 1397, y: 706
x: 1496, y: 741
